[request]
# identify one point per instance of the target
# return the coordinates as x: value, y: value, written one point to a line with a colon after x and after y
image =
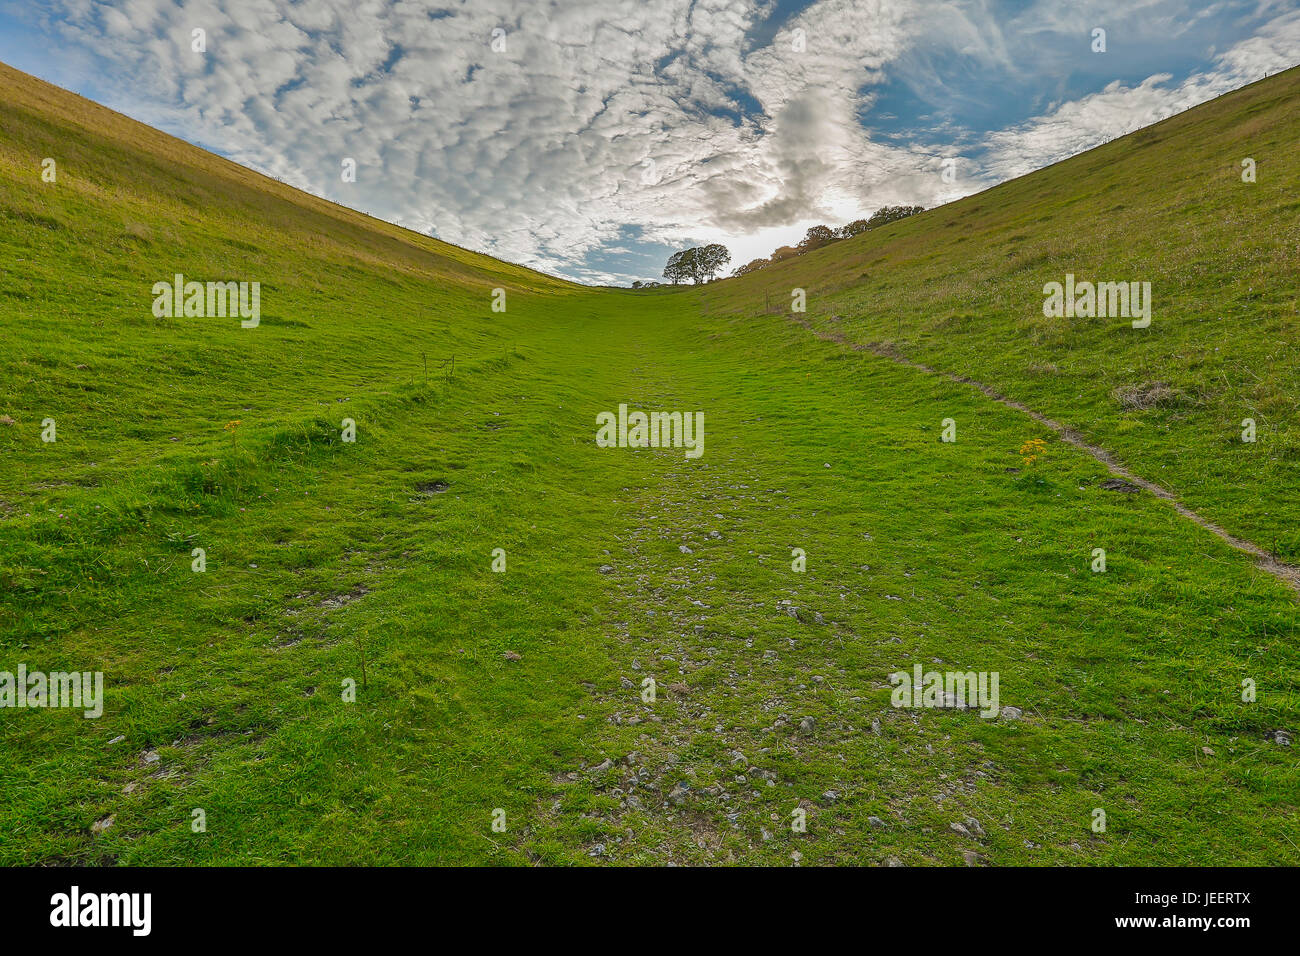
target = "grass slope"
x: 372, y: 562
x: 960, y: 288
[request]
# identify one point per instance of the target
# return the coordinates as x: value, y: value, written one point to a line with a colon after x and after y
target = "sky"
x: 592, y: 139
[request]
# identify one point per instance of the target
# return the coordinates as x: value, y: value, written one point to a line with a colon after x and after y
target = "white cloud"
x: 1082, y: 124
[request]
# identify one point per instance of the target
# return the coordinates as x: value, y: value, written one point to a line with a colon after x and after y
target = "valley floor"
x: 515, y: 697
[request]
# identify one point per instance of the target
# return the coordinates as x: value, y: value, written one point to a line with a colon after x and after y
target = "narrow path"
x: 1288, y: 573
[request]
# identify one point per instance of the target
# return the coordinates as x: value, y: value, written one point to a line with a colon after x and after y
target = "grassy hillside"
x: 960, y: 289
x: 521, y: 690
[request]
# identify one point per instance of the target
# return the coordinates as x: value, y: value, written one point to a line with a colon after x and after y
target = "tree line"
x: 819, y: 236
x: 703, y: 263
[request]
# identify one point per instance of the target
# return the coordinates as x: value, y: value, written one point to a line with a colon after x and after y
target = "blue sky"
x: 592, y: 139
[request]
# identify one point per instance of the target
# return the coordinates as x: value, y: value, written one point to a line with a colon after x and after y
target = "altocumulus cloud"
x: 681, y: 120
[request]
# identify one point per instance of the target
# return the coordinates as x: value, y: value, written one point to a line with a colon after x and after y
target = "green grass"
x: 959, y: 288
x: 324, y: 556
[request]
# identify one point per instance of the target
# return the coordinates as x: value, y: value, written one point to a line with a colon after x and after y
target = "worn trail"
x: 1266, y: 561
